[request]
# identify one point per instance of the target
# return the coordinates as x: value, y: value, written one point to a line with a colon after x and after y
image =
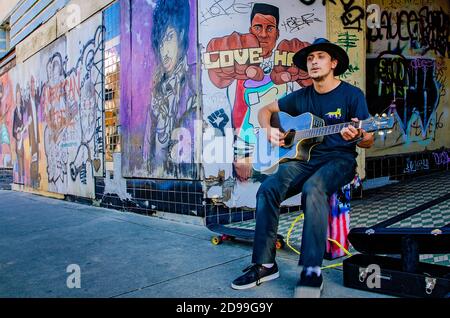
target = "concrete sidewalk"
x: 127, y: 255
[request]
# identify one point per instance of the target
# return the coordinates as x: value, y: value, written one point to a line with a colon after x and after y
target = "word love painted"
x: 221, y: 59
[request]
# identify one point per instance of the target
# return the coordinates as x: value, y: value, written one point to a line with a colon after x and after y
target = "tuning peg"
x: 384, y: 115
x: 389, y: 131
x: 381, y: 133
x: 377, y: 115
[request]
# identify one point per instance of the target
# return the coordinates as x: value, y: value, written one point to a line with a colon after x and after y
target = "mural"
x: 160, y: 103
x: 410, y: 58
x: 6, y: 109
x: 53, y: 105
x: 247, y: 52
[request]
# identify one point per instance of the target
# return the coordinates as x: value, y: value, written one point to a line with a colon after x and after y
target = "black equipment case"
x: 428, y: 281
x: 405, y: 276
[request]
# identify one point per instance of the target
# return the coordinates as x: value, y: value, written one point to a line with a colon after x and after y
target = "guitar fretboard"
x: 323, y: 131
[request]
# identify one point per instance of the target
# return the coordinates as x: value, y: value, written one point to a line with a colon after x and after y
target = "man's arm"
x: 367, y: 141
x: 275, y: 136
x: 350, y: 133
x: 358, y: 109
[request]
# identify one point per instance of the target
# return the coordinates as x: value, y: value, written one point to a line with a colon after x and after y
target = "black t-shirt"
x: 337, y: 106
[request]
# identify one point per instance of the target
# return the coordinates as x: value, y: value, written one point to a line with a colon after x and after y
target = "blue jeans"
x: 317, y: 180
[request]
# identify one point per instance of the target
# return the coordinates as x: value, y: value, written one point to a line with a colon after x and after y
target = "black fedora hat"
x: 322, y: 44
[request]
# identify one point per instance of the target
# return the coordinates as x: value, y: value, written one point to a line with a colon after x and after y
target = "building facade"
x: 151, y: 106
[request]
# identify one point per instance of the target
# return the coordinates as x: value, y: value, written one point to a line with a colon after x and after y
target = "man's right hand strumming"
x: 275, y: 136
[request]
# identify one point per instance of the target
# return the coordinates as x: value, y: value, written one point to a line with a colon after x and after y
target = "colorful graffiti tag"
x: 425, y: 29
x: 409, y: 56
x: 409, y: 88
x: 352, y: 17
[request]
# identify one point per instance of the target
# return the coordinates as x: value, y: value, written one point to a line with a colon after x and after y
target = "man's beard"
x: 321, y: 78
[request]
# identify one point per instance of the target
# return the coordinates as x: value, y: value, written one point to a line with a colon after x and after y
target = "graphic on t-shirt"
x: 334, y: 115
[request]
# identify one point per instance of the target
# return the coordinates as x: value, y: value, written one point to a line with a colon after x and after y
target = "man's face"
x: 18, y: 98
x: 55, y: 70
x: 320, y: 64
x: 264, y: 27
x: 168, y: 49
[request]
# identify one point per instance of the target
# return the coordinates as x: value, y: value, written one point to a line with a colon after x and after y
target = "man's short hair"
x: 265, y: 9
x: 175, y: 14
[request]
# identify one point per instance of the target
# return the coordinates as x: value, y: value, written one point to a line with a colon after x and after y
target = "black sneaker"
x: 254, y: 276
x: 309, y: 286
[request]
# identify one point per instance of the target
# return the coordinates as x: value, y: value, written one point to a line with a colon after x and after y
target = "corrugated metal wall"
x: 29, y: 15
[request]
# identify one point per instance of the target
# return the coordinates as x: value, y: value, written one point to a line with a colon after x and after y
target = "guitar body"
x: 302, y: 133
x: 267, y: 156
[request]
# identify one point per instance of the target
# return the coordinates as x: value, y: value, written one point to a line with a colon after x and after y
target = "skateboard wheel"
x: 216, y: 240
x: 279, y: 244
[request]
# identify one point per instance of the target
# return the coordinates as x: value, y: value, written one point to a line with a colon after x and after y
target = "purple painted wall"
x: 158, y: 91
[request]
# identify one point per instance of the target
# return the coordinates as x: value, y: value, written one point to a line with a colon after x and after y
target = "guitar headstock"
x: 378, y: 123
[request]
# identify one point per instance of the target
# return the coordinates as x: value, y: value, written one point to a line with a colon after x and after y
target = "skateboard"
x: 226, y: 233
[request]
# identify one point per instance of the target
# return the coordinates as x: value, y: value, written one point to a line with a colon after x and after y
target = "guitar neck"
x: 324, y: 131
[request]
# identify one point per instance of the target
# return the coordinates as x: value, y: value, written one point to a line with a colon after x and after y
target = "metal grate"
x: 112, y: 80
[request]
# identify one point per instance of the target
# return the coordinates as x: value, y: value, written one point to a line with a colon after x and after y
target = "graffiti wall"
x: 246, y: 51
x: 409, y: 55
x: 51, y: 114
x: 159, y: 101
x: 6, y: 109
x: 346, y: 27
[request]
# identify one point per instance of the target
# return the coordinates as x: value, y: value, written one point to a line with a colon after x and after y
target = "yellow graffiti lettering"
x: 241, y: 56
x: 280, y: 58
x: 290, y: 59
x: 283, y: 58
x: 227, y: 58
x: 207, y: 61
x: 255, y: 55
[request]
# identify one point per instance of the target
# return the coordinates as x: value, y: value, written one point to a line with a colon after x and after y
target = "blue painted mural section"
x: 2, y: 42
x: 111, y: 20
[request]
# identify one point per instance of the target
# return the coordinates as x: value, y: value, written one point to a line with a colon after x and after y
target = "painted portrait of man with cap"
x: 251, y: 84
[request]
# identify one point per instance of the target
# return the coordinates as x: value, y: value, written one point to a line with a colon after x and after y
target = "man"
x: 331, y: 166
x: 253, y: 85
x: 32, y: 103
x: 20, y: 127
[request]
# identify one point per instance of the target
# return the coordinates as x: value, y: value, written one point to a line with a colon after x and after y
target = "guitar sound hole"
x: 289, y: 138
